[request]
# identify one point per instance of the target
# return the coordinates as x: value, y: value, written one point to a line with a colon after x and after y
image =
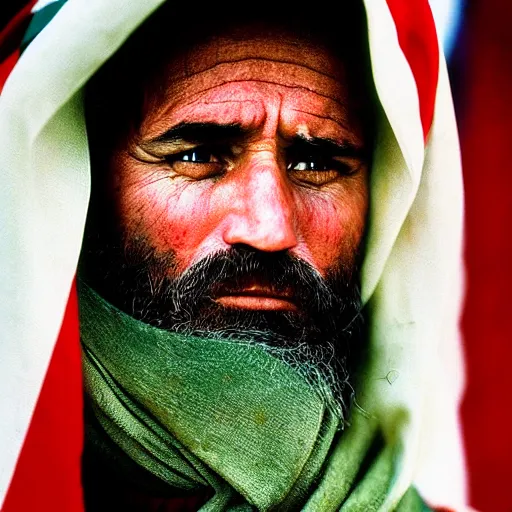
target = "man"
x: 219, y: 292
x: 234, y: 208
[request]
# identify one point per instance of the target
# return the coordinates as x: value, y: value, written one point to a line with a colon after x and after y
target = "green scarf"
x: 227, y: 415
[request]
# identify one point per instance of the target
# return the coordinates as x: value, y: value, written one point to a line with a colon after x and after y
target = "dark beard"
x: 322, y: 338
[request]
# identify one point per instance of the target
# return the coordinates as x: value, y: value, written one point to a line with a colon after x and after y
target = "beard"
x: 321, y: 337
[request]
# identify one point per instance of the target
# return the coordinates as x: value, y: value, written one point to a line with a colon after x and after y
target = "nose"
x: 262, y: 215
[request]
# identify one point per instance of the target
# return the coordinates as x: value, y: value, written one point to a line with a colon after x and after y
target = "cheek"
x: 332, y: 223
x: 169, y: 215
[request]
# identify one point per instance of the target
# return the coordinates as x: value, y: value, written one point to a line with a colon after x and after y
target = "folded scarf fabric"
x: 201, y: 412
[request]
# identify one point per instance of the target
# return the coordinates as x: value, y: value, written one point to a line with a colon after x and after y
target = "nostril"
x: 246, y: 249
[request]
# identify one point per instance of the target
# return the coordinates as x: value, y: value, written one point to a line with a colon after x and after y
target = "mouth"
x: 256, y: 296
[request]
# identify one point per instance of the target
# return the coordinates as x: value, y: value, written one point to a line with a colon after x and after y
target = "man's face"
x: 245, y: 181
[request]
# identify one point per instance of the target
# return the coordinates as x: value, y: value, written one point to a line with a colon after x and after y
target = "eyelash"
x: 218, y: 157
x: 180, y: 157
x: 326, y: 163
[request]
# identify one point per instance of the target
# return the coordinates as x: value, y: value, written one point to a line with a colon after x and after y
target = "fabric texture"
x: 253, y: 429
x: 411, y: 277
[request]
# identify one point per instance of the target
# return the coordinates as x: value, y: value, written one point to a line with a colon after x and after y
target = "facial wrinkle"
x: 205, y: 91
x: 171, y: 93
x: 170, y: 111
x: 287, y: 73
x: 290, y: 62
x: 271, y: 47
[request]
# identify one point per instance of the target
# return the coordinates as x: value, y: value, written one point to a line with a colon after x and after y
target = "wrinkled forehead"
x: 162, y: 52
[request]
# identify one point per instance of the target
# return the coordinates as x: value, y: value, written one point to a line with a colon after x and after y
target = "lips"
x: 256, y: 296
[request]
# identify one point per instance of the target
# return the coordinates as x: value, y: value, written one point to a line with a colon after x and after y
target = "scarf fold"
x: 227, y: 415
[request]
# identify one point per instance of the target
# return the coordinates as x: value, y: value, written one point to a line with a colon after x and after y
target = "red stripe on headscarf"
x: 418, y: 40
x: 7, y: 66
x: 10, y: 40
x: 47, y: 475
x: 17, y: 24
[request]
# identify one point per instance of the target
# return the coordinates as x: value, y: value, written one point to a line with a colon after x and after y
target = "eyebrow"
x: 199, y: 132
x: 193, y: 132
x: 330, y: 146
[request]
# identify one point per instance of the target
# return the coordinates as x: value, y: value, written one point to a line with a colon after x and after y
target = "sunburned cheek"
x: 332, y: 227
x: 171, y: 219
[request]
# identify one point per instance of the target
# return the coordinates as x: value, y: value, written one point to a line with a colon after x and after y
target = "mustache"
x: 231, y: 270
x: 147, y: 284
